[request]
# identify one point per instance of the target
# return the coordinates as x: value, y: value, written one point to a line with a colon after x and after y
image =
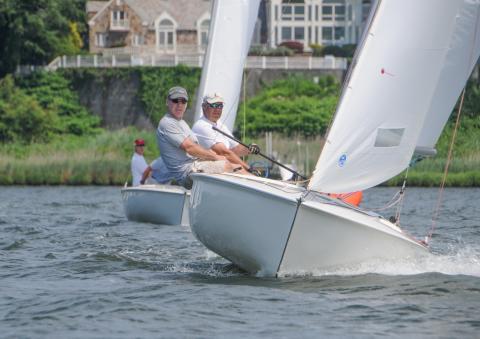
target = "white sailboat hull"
x: 268, y: 228
x: 157, y: 204
x: 326, y: 236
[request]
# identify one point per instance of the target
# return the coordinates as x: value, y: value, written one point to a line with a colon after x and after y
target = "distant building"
x: 321, y: 22
x: 181, y: 26
x: 161, y: 26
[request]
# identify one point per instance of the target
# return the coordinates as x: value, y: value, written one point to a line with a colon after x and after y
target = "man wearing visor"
x: 179, y: 146
x: 212, y: 107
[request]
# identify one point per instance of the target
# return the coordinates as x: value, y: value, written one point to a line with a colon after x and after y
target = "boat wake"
x: 465, y: 261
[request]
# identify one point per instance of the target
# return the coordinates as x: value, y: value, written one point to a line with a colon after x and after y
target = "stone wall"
x: 117, y: 101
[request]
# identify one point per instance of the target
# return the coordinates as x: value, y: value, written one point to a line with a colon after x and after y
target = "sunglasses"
x: 216, y: 105
x: 176, y: 101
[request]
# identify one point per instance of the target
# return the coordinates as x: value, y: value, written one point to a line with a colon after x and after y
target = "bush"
x: 295, y: 46
x: 293, y: 106
x: 21, y: 116
x: 345, y: 51
x: 54, y: 93
x: 261, y: 51
x: 317, y: 50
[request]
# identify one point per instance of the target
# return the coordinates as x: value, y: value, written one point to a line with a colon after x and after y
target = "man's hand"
x: 253, y: 148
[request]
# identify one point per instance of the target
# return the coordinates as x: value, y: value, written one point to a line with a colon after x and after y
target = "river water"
x: 71, y: 265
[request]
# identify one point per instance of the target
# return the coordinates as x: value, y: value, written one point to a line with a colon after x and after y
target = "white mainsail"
x: 401, y: 74
x: 231, y: 31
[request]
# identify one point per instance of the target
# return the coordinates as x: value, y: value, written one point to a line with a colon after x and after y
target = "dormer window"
x: 120, y: 20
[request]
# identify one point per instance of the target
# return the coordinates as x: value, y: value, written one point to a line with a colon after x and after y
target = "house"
x: 181, y: 26
x: 321, y: 22
x: 156, y: 26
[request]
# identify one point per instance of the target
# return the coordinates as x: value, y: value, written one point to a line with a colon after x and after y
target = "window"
x: 299, y: 33
x: 339, y: 33
x: 333, y: 10
x: 327, y: 12
x: 327, y: 33
x: 204, y: 33
x: 390, y: 137
x: 286, y: 33
x: 166, y: 34
x: 293, y: 33
x: 366, y: 6
x: 100, y: 39
x: 293, y: 12
x: 333, y: 34
x: 119, y: 19
x: 138, y: 40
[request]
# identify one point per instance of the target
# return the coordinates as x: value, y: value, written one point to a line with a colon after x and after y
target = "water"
x: 72, y: 266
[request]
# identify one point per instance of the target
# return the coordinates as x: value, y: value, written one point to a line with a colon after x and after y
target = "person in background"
x: 138, y: 164
x: 212, y: 107
x: 179, y: 146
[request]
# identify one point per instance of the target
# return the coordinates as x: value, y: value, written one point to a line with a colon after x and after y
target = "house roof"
x: 184, y: 12
x: 95, y: 6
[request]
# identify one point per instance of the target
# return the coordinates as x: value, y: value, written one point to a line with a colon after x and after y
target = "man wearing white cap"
x: 212, y: 107
x: 179, y: 146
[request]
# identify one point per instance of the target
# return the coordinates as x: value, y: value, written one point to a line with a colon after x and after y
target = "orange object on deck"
x: 354, y: 198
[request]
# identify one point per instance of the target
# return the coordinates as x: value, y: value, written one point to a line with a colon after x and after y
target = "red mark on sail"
x: 384, y: 72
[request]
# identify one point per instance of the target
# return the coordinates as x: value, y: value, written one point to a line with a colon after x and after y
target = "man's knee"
x: 229, y: 167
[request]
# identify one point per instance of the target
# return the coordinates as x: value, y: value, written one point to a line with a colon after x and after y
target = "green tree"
x: 54, y: 93
x: 35, y: 31
x: 21, y: 116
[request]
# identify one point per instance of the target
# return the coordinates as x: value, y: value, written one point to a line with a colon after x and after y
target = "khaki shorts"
x: 210, y: 167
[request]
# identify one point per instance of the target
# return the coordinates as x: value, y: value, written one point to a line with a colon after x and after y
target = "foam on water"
x: 465, y: 261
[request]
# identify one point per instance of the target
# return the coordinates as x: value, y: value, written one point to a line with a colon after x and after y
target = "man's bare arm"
x: 221, y: 149
x: 145, y: 174
x: 198, y: 151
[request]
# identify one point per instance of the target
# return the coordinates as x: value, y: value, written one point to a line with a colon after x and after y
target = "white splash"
x: 465, y: 261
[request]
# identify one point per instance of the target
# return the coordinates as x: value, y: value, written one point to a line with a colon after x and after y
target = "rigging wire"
x: 445, y: 172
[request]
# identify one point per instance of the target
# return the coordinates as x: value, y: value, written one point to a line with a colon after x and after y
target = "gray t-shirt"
x: 170, y: 135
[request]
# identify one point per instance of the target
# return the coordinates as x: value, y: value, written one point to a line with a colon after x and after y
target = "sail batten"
x: 396, y: 83
x: 230, y: 34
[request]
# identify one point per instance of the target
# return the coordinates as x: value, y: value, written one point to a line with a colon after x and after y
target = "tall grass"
x: 104, y: 159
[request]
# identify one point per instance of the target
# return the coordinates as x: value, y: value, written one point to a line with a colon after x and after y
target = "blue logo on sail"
x: 342, y: 160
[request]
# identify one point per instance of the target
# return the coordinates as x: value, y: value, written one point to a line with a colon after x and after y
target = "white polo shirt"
x: 139, y: 165
x: 207, y: 136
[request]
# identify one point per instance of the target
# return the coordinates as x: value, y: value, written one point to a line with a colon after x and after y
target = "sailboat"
x: 231, y: 32
x: 413, y: 61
